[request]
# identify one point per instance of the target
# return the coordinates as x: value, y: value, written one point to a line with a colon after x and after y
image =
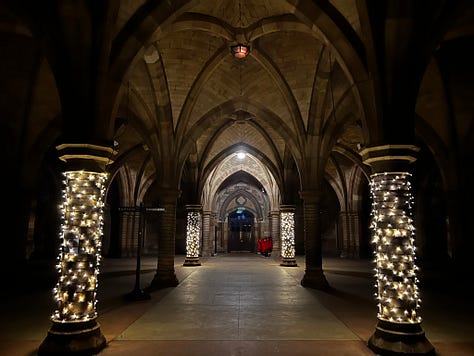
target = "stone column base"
x: 73, y: 338
x: 288, y: 262
x: 314, y: 278
x: 191, y: 261
x: 160, y: 282
x: 400, y: 339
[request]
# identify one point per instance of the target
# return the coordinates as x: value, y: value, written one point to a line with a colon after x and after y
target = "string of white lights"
x: 80, y: 248
x: 394, y: 238
x: 193, y: 233
x: 287, y: 233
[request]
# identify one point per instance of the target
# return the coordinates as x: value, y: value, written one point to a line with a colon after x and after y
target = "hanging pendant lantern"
x: 240, y: 50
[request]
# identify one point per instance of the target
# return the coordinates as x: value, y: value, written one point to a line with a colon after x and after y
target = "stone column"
x: 225, y: 232
x: 313, y: 276
x: 275, y: 231
x: 124, y: 233
x: 287, y: 234
x: 349, y: 227
x: 165, y: 274
x: 398, y: 331
x: 129, y: 223
x: 299, y: 229
x: 213, y: 233
x: 75, y: 329
x: 193, y: 234
x: 258, y: 232
x: 207, y: 237
x: 220, y: 237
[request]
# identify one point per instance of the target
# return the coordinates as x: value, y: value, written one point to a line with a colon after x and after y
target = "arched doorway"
x: 241, y: 231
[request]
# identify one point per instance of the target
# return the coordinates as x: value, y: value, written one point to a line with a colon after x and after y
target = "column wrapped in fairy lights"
x: 394, y: 238
x: 193, y: 232
x: 79, y: 253
x: 287, y: 235
x: 287, y: 231
x: 193, y: 236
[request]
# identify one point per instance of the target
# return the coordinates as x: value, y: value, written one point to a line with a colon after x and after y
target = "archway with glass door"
x: 241, y: 231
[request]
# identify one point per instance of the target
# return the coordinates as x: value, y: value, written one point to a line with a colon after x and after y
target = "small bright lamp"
x: 240, y: 50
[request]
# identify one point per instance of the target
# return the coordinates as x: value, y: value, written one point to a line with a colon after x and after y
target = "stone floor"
x: 241, y: 304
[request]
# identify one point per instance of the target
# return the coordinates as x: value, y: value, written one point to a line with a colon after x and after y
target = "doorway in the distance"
x: 241, y: 234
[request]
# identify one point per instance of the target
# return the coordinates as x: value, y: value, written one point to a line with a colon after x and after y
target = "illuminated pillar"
x: 75, y: 329
x: 398, y: 331
x: 287, y: 234
x: 193, y: 235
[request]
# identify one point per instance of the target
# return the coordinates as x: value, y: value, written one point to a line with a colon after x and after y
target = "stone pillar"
x: 124, y: 235
x: 261, y: 229
x: 258, y: 231
x: 225, y: 232
x: 299, y: 230
x: 75, y: 329
x: 129, y: 223
x: 313, y: 276
x: 287, y: 234
x: 193, y: 235
x: 207, y: 237
x: 398, y: 331
x: 349, y: 228
x: 275, y: 231
x: 213, y: 233
x: 220, y: 237
x: 165, y: 274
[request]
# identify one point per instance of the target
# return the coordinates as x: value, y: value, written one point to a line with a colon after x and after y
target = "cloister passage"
x: 345, y: 127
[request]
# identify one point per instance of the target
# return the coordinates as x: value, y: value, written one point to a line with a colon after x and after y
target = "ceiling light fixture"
x: 241, y: 155
x: 240, y: 50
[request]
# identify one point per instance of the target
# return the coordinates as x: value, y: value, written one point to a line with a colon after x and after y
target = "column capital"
x: 287, y: 208
x: 193, y: 207
x: 86, y: 156
x: 388, y: 158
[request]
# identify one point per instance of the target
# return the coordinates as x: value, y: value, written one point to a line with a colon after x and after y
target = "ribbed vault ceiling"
x: 217, y: 103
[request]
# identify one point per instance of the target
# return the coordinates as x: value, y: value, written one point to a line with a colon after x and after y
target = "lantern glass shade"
x: 240, y: 50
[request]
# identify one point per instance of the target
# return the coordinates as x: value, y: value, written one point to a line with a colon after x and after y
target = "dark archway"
x: 241, y: 231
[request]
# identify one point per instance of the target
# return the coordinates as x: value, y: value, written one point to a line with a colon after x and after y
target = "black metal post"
x: 137, y: 293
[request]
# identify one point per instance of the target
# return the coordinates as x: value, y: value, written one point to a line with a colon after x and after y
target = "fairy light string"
x: 193, y: 233
x: 80, y: 249
x: 393, y: 235
x: 287, y: 233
